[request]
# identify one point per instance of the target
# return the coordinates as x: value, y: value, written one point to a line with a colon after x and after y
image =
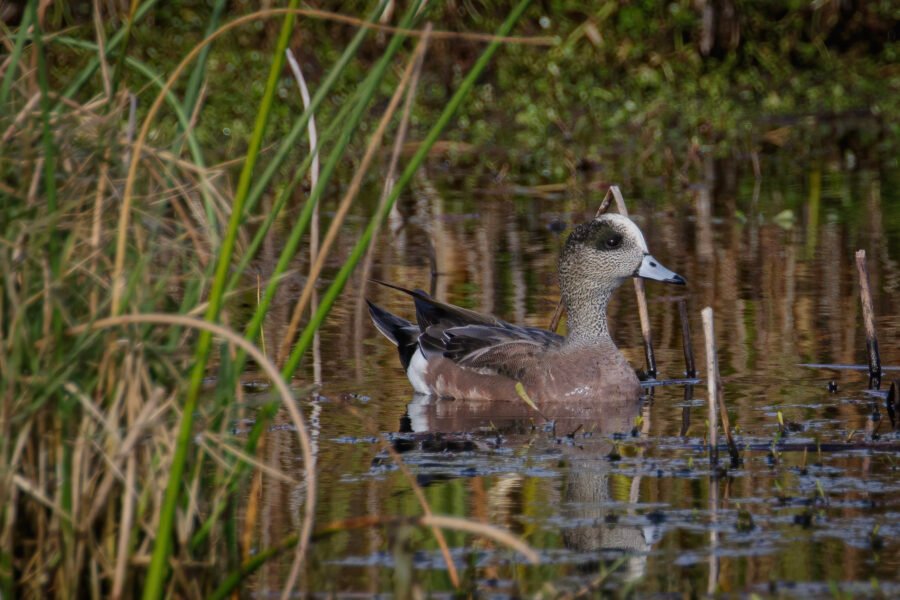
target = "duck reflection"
x: 445, y: 415
x: 590, y: 497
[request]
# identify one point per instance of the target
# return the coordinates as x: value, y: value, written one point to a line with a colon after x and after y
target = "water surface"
x: 626, y: 501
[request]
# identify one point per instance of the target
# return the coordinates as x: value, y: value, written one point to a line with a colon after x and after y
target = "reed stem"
x: 865, y: 296
x: 716, y: 400
x: 712, y: 384
x: 157, y: 573
x: 690, y: 369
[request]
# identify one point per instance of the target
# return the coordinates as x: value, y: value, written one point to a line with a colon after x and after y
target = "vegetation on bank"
x: 636, y: 81
x: 117, y: 234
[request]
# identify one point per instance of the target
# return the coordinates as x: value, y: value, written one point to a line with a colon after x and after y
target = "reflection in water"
x: 773, y: 257
x: 589, y: 493
x: 428, y: 413
x: 587, y: 488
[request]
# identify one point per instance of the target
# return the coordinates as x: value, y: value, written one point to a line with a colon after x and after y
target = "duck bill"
x: 652, y: 269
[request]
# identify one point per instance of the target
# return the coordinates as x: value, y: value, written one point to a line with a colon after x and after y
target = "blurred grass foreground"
x: 152, y: 151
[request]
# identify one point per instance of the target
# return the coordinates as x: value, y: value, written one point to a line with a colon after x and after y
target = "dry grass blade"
x: 314, y: 220
x: 495, y: 533
x: 257, y: 464
x: 455, y: 523
x: 266, y: 365
x: 23, y: 114
x: 129, y: 501
x: 391, y: 176
x: 313, y: 255
x: 92, y: 410
x: 34, y: 490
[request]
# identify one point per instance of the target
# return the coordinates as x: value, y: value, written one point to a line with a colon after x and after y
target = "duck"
x: 456, y: 353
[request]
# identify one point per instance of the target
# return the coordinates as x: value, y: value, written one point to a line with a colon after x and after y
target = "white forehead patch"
x: 630, y: 226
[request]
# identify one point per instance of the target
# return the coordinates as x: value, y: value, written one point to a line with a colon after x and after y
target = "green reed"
x: 161, y: 550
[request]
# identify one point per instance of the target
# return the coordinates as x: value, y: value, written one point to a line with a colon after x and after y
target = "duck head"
x: 598, y: 256
x: 610, y: 249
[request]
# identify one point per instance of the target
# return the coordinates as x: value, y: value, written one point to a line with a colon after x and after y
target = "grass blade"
x: 94, y: 64
x: 367, y: 92
x: 47, y: 133
x: 322, y: 91
x: 11, y: 70
x: 157, y: 573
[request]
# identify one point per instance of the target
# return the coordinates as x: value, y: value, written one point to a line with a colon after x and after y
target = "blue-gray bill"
x: 652, y: 269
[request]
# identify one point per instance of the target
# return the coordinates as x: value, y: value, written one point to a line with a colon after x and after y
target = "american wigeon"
x: 453, y: 352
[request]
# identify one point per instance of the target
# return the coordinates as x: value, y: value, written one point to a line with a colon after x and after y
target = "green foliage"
x: 625, y: 81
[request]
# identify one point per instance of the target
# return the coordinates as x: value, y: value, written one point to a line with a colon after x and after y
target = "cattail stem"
x: 690, y: 369
x: 865, y: 296
x: 712, y: 383
x: 716, y: 400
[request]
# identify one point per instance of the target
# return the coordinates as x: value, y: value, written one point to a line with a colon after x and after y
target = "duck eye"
x: 613, y: 242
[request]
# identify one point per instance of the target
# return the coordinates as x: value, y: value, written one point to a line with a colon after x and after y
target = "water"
x: 637, y: 511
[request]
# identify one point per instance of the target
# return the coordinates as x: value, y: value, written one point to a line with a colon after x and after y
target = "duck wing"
x: 500, y: 349
x: 472, y: 340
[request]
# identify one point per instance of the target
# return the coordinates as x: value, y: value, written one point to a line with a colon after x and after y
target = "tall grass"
x: 112, y: 241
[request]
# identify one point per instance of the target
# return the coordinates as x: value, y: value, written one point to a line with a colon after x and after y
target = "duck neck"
x: 586, y: 320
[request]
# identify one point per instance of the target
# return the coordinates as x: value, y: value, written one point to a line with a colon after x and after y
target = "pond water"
x: 622, y: 500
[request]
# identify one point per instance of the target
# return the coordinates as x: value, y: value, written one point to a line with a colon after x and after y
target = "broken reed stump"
x: 690, y: 369
x: 712, y: 384
x: 865, y: 296
x: 716, y: 400
x: 892, y: 402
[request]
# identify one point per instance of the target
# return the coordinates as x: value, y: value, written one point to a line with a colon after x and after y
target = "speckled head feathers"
x: 606, y: 231
x: 598, y: 256
x: 604, y: 250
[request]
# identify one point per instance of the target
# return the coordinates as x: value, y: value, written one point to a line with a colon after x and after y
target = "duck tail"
x: 401, y: 332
